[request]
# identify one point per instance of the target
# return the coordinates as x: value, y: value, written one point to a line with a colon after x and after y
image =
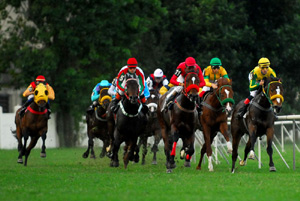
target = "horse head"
x: 104, y: 98
x: 191, y: 86
x: 273, y: 90
x: 224, y: 94
x: 152, y: 102
x: 132, y: 90
x: 41, y: 95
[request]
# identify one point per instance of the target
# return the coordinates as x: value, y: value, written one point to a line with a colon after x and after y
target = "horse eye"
x: 46, y: 92
x: 36, y: 92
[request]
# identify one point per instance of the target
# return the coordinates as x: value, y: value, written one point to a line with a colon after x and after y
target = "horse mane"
x: 223, y: 81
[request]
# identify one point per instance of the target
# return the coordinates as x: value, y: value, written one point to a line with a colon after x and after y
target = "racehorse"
x: 130, y: 122
x: 180, y: 122
x: 258, y: 120
x: 34, y: 124
x: 152, y: 128
x: 216, y: 107
x: 97, y: 124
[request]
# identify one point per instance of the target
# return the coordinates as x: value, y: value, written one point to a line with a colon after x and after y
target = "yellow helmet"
x: 264, y: 62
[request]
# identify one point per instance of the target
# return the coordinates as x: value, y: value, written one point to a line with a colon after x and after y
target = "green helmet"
x: 215, y: 62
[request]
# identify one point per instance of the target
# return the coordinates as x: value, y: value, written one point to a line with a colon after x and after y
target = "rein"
x: 36, y: 112
x: 100, y: 118
x: 183, y: 109
x: 127, y: 114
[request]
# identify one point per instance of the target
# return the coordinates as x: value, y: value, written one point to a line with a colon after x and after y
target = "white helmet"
x: 158, y: 73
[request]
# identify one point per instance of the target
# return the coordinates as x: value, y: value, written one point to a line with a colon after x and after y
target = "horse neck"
x: 35, y: 107
x: 262, y: 100
x: 185, y: 102
x: 213, y: 99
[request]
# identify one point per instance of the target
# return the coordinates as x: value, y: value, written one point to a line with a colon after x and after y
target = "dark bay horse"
x: 180, y: 122
x: 34, y: 124
x: 152, y: 128
x: 259, y: 120
x: 130, y: 123
x: 97, y: 125
x: 216, y: 106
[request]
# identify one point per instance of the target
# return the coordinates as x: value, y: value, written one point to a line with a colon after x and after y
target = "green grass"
x: 65, y: 175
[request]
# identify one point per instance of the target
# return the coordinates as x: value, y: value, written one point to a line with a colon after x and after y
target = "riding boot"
x: 114, y: 105
x: 199, y: 105
x: 24, y: 107
x: 170, y: 101
x: 242, y: 110
x: 90, y: 109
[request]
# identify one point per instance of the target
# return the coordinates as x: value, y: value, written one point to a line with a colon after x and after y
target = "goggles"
x: 215, y: 67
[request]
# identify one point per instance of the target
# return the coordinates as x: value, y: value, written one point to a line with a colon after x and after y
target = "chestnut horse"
x: 258, y: 121
x: 180, y: 122
x: 216, y: 108
x: 34, y: 124
x: 152, y: 128
x: 97, y: 124
x: 130, y: 123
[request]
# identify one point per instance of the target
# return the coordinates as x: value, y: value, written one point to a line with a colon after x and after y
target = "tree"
x: 74, y: 44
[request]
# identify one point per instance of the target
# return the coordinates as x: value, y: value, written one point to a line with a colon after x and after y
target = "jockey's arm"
x: 254, y: 83
x: 51, y: 94
x: 28, y: 91
x: 202, y: 81
x: 175, y: 76
x: 149, y: 82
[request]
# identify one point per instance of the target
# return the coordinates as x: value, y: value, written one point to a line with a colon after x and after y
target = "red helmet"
x: 190, y: 61
x: 40, y: 78
x: 132, y: 62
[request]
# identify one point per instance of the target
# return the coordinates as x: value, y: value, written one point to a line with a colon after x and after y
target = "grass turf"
x: 65, y: 175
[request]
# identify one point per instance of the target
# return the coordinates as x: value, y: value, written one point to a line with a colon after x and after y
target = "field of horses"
x: 65, y: 175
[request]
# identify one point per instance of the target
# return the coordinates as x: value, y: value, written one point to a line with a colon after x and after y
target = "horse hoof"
x: 109, y: 154
x: 272, y: 169
x: 93, y: 156
x: 43, y: 155
x: 198, y: 168
x: 169, y: 170
x: 242, y: 163
x: 154, y: 162
x: 252, y: 156
x: 187, y: 164
x: 20, y: 160
x: 182, y: 154
x: 101, y: 155
x: 85, y: 155
x: 232, y: 171
x: 114, y: 164
x: 229, y: 151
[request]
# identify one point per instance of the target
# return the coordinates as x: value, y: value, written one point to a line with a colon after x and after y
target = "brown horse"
x: 180, y: 122
x: 152, y: 128
x: 97, y: 124
x: 216, y: 107
x: 130, y: 123
x: 34, y: 124
x: 259, y: 120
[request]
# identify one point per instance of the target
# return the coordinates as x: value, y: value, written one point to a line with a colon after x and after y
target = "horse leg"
x: 154, y: 149
x: 103, y: 151
x: 235, y: 141
x: 23, y: 151
x: 252, y: 139
x: 270, y: 133
x: 91, y: 145
x: 20, y: 149
x: 43, y: 152
x: 144, y: 150
x: 32, y: 144
x: 203, y: 150
x: 189, y: 151
x: 208, y: 141
x: 116, y: 146
x: 224, y: 131
x: 246, y: 152
x: 173, y: 152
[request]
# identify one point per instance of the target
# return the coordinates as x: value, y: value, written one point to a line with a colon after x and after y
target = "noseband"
x: 274, y: 96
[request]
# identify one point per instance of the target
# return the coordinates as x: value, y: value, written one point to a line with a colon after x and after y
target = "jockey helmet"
x: 158, y: 73
x: 264, y: 62
x: 190, y: 61
x: 40, y: 78
x: 215, y: 62
x: 132, y: 62
x: 104, y: 83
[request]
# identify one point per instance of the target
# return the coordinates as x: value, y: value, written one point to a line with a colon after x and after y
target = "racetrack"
x: 65, y: 175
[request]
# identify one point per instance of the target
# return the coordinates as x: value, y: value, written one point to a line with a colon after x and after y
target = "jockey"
x: 96, y: 94
x: 131, y: 70
x: 212, y: 73
x: 29, y: 92
x: 157, y: 79
x: 183, y: 69
x: 263, y: 70
x: 112, y: 88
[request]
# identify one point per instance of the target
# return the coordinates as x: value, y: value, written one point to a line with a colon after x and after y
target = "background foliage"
x: 75, y: 44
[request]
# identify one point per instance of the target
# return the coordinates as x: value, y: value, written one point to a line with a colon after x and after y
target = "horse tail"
x: 14, y: 133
